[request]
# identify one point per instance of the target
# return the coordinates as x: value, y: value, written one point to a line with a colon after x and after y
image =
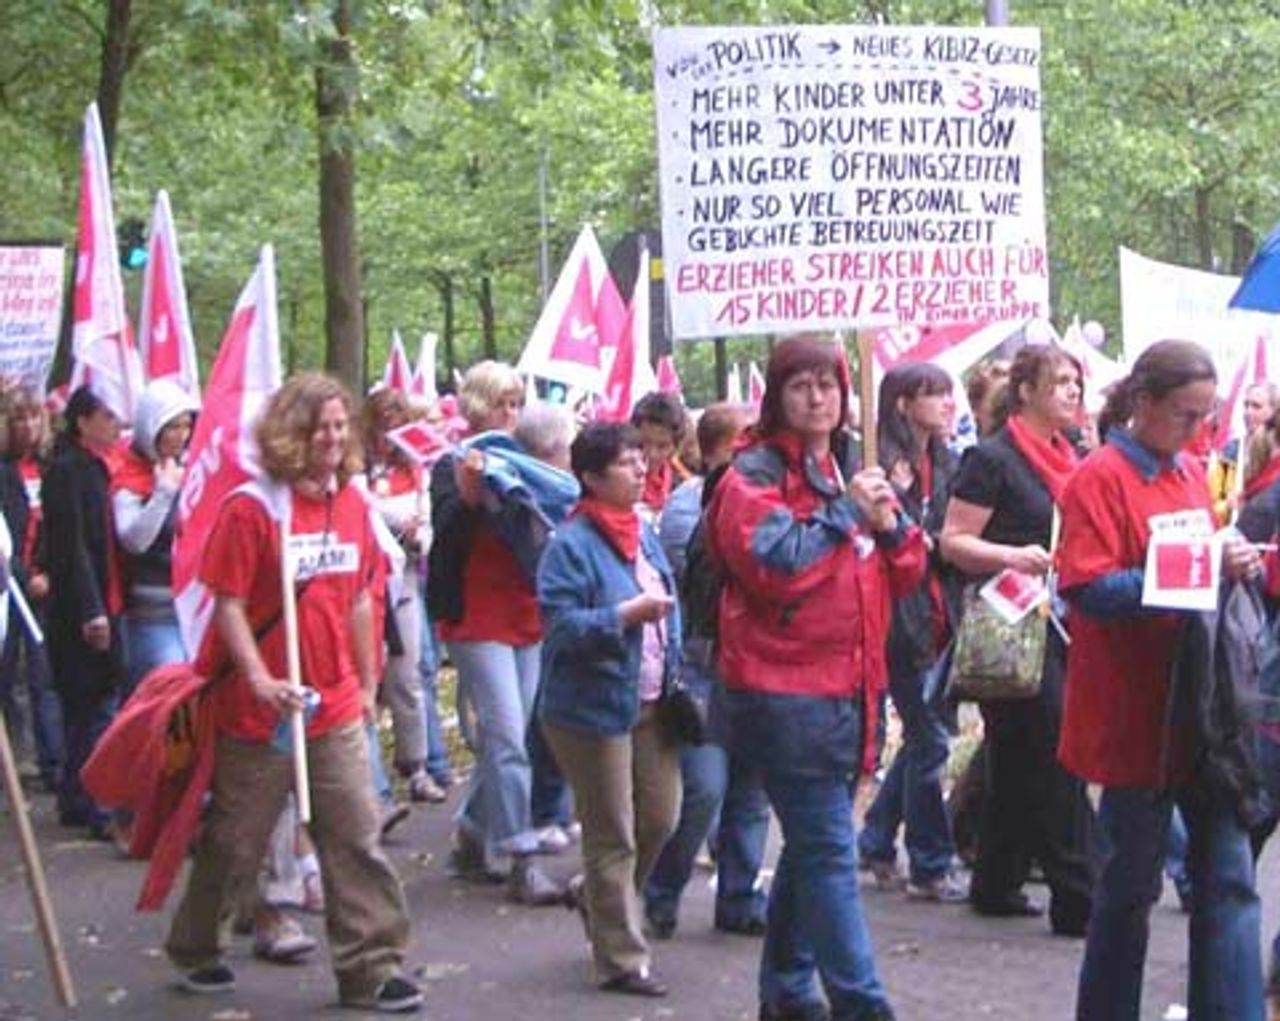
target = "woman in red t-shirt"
x: 1114, y: 728
x: 486, y: 605
x: 309, y: 453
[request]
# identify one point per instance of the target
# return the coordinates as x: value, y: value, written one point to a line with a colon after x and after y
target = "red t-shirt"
x: 338, y: 560
x: 498, y: 602
x: 1118, y: 670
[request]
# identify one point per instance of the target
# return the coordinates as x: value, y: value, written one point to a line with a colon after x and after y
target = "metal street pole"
x: 997, y: 12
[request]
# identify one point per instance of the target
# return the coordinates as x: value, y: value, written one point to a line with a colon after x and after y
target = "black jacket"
x: 16, y: 511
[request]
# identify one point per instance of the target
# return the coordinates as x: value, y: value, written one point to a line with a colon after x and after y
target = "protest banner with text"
x: 850, y: 176
x: 31, y: 282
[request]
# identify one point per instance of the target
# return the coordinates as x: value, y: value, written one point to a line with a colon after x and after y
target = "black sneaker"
x: 217, y: 979
x: 397, y: 995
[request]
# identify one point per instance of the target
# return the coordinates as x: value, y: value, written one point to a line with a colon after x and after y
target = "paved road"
x: 483, y: 959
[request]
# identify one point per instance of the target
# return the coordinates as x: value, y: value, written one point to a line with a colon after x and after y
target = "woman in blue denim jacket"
x: 611, y: 638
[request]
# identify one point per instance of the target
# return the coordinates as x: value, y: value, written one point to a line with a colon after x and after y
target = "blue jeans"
x: 715, y: 784
x: 378, y: 772
x: 26, y: 663
x: 1225, y: 974
x: 438, y: 764
x: 84, y: 721
x: 150, y: 642
x: 501, y: 683
x: 912, y: 790
x: 1175, y: 857
x: 807, y: 751
x: 551, y: 802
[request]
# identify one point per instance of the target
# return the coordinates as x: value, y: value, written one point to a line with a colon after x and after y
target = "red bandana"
x: 1053, y: 459
x: 1263, y: 480
x: 657, y: 486
x: 619, y: 526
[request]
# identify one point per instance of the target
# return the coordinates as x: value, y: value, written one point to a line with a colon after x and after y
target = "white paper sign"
x: 821, y: 177
x: 1182, y: 573
x: 31, y: 282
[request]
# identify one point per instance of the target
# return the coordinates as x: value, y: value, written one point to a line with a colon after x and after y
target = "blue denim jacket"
x: 590, y: 665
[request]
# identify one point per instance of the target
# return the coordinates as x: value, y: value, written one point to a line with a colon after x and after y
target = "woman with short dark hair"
x: 607, y: 596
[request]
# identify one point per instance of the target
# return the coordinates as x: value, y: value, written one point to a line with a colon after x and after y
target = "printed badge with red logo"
x: 1183, y: 574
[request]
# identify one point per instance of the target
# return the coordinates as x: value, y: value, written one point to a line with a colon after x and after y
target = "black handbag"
x: 681, y: 714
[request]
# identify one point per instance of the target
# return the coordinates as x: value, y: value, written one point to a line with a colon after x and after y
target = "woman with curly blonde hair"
x: 309, y: 453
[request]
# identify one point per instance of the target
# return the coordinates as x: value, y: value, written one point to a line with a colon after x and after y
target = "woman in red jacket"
x: 1115, y: 732
x: 811, y: 549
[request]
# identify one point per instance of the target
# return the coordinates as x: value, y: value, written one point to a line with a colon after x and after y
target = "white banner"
x: 1161, y: 301
x: 31, y: 280
x: 826, y: 177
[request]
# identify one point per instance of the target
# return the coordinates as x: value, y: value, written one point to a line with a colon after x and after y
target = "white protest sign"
x: 1161, y: 301
x: 1182, y: 574
x: 31, y: 281
x: 849, y: 176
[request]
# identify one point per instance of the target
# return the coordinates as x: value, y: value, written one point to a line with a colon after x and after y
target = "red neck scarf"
x: 1263, y: 480
x: 620, y: 526
x: 657, y: 486
x: 1052, y: 459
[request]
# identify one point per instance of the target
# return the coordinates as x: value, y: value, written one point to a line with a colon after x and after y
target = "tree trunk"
x: 343, y: 315
x: 1243, y: 242
x: 115, y: 62
x: 1204, y: 230
x: 444, y: 285
x: 488, y: 318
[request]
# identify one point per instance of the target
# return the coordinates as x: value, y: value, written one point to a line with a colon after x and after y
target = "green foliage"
x: 1157, y: 136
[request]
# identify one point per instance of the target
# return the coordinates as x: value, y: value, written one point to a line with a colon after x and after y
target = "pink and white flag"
x: 224, y: 454
x: 630, y: 373
x: 421, y: 441
x: 101, y: 343
x: 424, y: 375
x: 1251, y: 370
x: 668, y: 378
x: 398, y: 374
x: 566, y: 343
x: 755, y: 385
x: 165, y: 341
x: 733, y: 385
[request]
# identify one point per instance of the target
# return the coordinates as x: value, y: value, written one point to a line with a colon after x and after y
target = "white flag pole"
x: 298, y: 720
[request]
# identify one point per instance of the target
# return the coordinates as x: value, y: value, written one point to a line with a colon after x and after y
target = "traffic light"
x: 132, y: 241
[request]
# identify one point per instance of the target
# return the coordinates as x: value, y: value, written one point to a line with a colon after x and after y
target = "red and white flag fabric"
x: 668, y: 378
x: 755, y: 385
x: 398, y: 374
x: 1252, y: 369
x: 422, y: 442
x: 631, y: 374
x: 424, y: 375
x: 224, y: 454
x: 101, y: 342
x: 566, y: 343
x: 165, y: 340
x: 733, y: 385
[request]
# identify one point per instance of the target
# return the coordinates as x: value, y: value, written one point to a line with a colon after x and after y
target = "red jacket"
x: 156, y: 759
x: 805, y: 608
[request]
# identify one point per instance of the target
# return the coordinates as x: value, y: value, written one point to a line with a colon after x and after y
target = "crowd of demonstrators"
x: 1001, y: 517
x: 915, y: 411
x: 608, y: 599
x: 788, y: 590
x: 723, y: 799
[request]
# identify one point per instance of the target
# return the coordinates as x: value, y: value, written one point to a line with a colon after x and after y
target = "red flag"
x: 566, y: 341
x: 668, y: 378
x: 164, y: 327
x: 1252, y: 370
x: 100, y: 339
x: 223, y: 453
x: 630, y: 374
x: 398, y: 374
x: 426, y: 445
x: 424, y: 375
x: 755, y: 385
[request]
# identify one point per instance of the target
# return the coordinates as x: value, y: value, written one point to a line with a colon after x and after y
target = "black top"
x: 994, y: 474
x: 1260, y: 517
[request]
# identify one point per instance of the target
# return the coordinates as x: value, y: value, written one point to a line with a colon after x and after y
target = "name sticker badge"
x: 1182, y: 573
x: 316, y: 554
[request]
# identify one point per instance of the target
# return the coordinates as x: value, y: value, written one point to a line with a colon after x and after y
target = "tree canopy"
x: 473, y: 120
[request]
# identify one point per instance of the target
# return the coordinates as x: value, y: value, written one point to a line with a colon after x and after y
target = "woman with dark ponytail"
x: 1115, y: 730
x: 916, y: 408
